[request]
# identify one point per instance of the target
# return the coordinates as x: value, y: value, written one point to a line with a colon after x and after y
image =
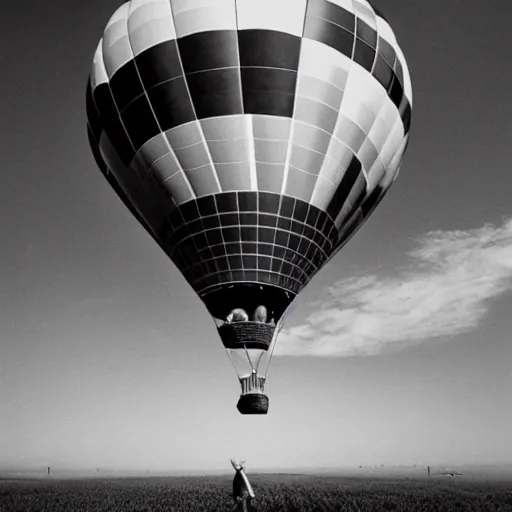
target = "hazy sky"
x: 399, y: 352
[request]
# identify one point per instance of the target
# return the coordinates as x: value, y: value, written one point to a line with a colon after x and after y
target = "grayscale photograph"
x: 256, y: 255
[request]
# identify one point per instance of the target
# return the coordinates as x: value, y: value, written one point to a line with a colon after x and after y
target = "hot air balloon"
x: 251, y: 139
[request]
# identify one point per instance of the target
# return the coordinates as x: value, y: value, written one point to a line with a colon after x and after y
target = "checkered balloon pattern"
x: 251, y: 138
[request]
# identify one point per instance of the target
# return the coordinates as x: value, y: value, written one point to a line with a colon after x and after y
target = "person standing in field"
x: 243, y: 493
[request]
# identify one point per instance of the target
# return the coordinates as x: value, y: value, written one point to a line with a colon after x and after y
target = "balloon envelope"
x: 251, y: 138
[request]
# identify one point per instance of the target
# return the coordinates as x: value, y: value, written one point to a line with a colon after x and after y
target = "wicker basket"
x: 248, y: 334
x: 253, y: 403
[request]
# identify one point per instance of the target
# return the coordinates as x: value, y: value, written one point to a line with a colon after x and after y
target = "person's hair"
x: 260, y: 314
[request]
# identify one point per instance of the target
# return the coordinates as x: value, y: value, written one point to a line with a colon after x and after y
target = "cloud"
x: 445, y: 291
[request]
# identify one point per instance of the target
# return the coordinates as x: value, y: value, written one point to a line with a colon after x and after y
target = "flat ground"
x: 276, y: 492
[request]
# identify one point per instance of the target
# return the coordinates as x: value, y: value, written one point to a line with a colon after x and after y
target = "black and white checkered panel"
x: 249, y: 237
x: 251, y: 137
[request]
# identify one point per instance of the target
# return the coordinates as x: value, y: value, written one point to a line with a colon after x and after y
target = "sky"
x: 398, y: 352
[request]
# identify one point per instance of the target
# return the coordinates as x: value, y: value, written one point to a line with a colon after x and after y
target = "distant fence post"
x: 48, y: 470
x: 428, y: 469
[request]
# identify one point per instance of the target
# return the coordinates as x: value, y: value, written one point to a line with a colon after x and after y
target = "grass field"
x: 298, y: 493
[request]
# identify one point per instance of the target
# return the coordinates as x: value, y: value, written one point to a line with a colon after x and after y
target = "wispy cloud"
x: 444, y: 291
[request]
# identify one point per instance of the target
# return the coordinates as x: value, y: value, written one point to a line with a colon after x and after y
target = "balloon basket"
x: 253, y: 403
x: 251, y: 334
